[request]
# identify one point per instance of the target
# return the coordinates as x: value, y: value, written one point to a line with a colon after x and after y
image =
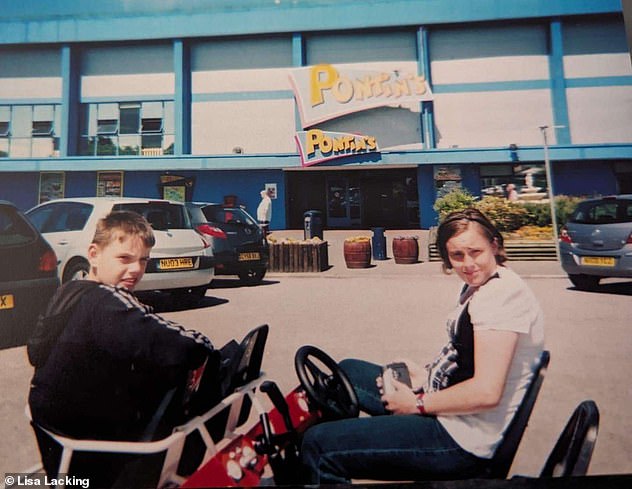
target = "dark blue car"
x: 239, y: 244
x: 28, y: 275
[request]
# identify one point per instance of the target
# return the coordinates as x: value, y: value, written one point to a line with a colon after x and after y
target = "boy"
x: 103, y: 360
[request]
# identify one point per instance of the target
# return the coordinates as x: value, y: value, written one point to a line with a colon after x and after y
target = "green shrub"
x: 564, y: 207
x: 455, y: 200
x: 538, y: 214
x: 506, y: 215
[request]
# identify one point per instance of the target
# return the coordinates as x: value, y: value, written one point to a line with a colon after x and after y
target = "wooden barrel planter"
x: 406, y: 250
x: 357, y: 252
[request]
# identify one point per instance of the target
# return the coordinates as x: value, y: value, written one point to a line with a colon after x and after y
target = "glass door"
x: 344, y: 203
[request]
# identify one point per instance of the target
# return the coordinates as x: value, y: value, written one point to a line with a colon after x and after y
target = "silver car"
x: 181, y: 262
x: 596, y: 242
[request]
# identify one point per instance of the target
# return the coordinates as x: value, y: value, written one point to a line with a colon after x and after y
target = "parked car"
x: 28, y: 275
x: 239, y: 244
x: 181, y: 261
x: 596, y: 242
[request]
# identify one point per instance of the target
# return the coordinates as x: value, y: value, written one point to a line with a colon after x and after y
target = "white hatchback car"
x: 180, y: 262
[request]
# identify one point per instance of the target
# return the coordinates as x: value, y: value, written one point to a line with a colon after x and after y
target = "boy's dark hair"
x: 457, y: 222
x: 128, y: 222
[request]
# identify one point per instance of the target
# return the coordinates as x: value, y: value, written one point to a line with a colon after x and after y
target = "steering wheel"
x: 332, y: 392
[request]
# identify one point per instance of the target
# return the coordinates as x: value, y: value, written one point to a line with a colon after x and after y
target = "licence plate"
x: 249, y: 256
x: 598, y: 261
x: 175, y: 263
x: 6, y: 301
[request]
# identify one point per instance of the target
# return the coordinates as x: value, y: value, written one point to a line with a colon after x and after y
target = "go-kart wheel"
x: 332, y: 392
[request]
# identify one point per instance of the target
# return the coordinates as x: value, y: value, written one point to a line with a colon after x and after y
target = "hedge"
x: 506, y: 215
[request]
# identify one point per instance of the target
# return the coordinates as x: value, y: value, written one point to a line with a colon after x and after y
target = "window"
x: 5, y: 119
x: 127, y: 128
x: 160, y: 215
x: 43, y: 116
x: 29, y: 131
x: 60, y: 217
x: 603, y: 212
x: 42, y: 128
x: 152, y: 125
x: 13, y: 229
x: 130, y: 114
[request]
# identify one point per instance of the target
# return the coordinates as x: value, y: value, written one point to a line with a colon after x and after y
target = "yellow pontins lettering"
x: 325, y: 78
x: 318, y: 140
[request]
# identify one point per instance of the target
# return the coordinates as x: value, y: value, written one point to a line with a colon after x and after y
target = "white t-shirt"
x: 504, y: 303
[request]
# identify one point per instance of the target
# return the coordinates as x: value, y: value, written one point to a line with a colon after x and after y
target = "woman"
x: 450, y: 422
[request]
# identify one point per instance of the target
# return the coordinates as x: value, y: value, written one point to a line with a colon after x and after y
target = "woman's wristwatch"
x: 419, y: 403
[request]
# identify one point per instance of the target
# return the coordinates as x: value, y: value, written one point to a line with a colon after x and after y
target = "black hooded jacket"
x: 103, y: 361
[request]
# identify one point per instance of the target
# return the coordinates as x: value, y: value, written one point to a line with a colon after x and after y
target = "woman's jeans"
x: 382, y: 446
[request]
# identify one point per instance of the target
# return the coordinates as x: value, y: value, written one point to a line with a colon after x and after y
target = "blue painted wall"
x: 583, y: 178
x: 210, y: 186
x: 20, y: 188
x: 427, y: 195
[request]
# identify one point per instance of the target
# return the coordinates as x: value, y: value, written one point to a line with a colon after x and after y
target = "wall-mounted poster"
x: 271, y: 188
x: 51, y: 186
x: 109, y: 184
x: 447, y: 178
x: 176, y: 193
x: 176, y: 187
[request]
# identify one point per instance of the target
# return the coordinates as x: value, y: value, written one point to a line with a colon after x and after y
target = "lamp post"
x: 549, y: 180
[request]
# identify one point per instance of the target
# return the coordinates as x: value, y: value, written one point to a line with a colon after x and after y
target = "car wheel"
x: 252, y: 275
x: 77, y: 270
x: 585, y: 282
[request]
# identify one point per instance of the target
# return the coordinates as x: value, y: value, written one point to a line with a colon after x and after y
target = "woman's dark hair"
x: 457, y: 222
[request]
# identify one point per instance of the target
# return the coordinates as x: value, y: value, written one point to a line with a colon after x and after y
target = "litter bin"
x: 378, y: 243
x: 313, y: 224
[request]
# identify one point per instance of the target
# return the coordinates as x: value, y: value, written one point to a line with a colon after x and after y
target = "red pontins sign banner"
x: 316, y: 146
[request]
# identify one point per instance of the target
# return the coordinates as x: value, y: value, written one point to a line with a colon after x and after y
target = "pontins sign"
x: 317, y: 146
x: 325, y: 92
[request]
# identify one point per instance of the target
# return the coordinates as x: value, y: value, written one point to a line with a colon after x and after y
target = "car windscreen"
x: 603, y: 212
x: 223, y: 215
x: 14, y: 230
x: 160, y: 215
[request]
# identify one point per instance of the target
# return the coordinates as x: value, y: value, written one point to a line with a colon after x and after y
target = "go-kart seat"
x: 133, y: 464
x: 241, y: 365
x: 500, y: 463
x: 223, y: 403
x: 573, y: 450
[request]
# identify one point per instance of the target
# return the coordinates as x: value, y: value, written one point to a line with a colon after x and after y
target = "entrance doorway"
x: 625, y: 183
x: 344, y: 202
x: 358, y: 198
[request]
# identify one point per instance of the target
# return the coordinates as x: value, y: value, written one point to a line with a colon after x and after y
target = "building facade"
x: 366, y: 111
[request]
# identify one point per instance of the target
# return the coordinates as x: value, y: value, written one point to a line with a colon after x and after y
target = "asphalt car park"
x: 181, y: 261
x: 28, y: 275
x: 397, y: 311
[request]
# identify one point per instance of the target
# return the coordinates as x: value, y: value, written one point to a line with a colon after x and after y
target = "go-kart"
x: 232, y: 444
x: 237, y: 442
